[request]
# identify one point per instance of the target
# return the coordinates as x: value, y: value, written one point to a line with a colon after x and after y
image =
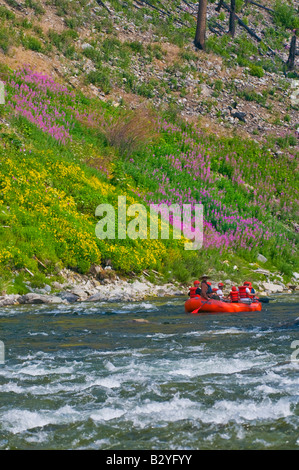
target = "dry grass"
x: 131, y: 131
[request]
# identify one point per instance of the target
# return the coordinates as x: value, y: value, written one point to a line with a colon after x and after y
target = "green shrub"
x: 36, y: 6
x: 136, y: 46
x: 101, y: 78
x: 218, y: 85
x: 256, y: 71
x: 251, y: 95
x: 7, y: 14
x: 285, y: 15
x: 145, y: 89
x: 5, y: 39
x: 286, y: 141
x: 64, y: 41
x: 32, y: 43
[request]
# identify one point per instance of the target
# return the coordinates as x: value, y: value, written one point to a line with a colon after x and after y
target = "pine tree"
x: 291, y: 58
x: 200, y: 34
x: 232, y: 18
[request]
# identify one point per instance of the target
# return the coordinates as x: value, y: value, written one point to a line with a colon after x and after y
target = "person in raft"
x: 246, y: 291
x: 194, y: 291
x: 206, y: 289
x: 219, y: 291
x: 249, y: 289
x: 234, y: 295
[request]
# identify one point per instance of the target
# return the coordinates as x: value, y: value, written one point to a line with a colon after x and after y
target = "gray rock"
x: 262, y: 258
x: 95, y: 270
x: 9, y: 300
x: 266, y: 272
x: 68, y: 296
x: 80, y: 292
x: 273, y: 288
x: 33, y: 298
x: 95, y: 297
x: 86, y: 45
x: 205, y: 91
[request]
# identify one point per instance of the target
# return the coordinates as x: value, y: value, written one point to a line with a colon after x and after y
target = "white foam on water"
x: 165, y: 411
x: 106, y: 414
x: 39, y: 370
x: 209, y: 390
x: 38, y: 333
x: 109, y: 366
x: 244, y: 411
x: 271, y: 382
x: 199, y: 366
x: 199, y: 348
x: 97, y: 445
x: 262, y: 442
x: 228, y: 331
x: 139, y: 306
x: 11, y: 387
x: 160, y: 335
x: 194, y: 333
x: 105, y: 382
x: 221, y: 413
x: 19, y: 421
x: 38, y: 437
x: 263, y: 390
x: 224, y: 331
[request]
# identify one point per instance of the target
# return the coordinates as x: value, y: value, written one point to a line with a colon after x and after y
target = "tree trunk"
x: 200, y: 35
x: 291, y: 59
x: 232, y: 18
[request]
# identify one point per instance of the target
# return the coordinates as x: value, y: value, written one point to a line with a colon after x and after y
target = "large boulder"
x: 272, y: 288
x: 33, y: 298
x: 11, y: 299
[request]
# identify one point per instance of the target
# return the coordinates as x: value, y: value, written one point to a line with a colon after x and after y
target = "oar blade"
x: 196, y: 310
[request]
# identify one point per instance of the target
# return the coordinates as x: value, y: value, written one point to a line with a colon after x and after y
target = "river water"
x: 147, y: 376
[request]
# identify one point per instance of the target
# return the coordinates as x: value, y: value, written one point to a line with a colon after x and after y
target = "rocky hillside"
x: 136, y: 51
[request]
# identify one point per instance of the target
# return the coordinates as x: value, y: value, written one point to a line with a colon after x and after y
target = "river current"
x: 148, y: 376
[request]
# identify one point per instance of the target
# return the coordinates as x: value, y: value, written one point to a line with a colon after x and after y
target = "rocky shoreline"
x: 80, y: 288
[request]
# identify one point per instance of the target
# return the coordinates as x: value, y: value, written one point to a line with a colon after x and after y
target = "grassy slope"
x: 50, y: 187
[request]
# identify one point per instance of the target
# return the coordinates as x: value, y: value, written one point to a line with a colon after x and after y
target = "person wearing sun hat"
x: 205, y: 287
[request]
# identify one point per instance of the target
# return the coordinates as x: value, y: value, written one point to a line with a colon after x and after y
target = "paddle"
x: 265, y: 300
x: 197, y: 309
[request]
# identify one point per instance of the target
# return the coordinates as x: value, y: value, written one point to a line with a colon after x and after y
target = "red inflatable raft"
x: 216, y: 306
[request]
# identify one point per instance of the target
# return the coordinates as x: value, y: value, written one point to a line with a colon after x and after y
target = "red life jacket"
x: 192, y: 292
x: 234, y: 295
x: 242, y: 292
